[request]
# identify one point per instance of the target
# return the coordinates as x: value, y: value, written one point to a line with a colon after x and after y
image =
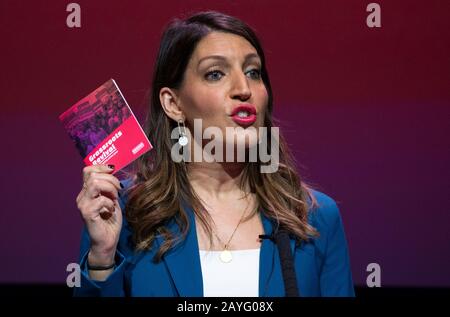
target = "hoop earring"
x: 182, y: 140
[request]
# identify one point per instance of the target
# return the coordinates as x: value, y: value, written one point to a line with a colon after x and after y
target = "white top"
x: 238, y: 278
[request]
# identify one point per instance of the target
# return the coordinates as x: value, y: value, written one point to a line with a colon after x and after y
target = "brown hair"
x: 162, y: 184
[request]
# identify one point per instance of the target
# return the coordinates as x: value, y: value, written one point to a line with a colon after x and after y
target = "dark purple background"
x: 365, y: 110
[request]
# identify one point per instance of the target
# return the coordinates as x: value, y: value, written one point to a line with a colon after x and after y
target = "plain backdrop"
x: 365, y: 110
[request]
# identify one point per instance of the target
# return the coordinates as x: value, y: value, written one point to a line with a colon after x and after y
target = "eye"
x: 254, y: 74
x: 214, y: 75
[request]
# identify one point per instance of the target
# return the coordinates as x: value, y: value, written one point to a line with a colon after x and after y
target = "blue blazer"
x: 322, y: 265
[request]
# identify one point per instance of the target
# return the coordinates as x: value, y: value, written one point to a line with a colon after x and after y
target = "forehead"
x: 221, y: 43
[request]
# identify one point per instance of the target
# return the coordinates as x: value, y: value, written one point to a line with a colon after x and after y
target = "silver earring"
x: 182, y: 140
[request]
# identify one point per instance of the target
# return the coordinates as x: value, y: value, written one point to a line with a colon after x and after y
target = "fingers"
x: 101, y: 205
x: 98, y: 182
x: 94, y: 176
x: 100, y: 172
x: 97, y: 186
x: 88, y: 170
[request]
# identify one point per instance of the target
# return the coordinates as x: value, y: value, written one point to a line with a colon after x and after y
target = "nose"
x: 241, y: 89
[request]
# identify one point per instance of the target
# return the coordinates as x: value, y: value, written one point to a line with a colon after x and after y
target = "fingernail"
x: 111, y: 167
x: 121, y: 185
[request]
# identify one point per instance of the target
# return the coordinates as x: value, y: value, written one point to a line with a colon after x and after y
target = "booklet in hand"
x: 104, y: 129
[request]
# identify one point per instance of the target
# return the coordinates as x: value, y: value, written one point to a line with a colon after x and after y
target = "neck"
x: 216, y: 180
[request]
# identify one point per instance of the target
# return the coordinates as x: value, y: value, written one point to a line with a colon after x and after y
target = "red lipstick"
x: 244, y: 114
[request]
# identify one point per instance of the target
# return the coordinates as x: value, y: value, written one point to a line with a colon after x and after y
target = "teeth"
x: 243, y: 114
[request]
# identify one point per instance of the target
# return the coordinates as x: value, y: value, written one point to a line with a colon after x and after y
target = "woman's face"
x: 223, y: 73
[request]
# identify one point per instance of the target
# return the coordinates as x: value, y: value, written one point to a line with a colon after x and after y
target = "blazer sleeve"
x: 113, y: 286
x: 335, y: 274
x: 116, y: 284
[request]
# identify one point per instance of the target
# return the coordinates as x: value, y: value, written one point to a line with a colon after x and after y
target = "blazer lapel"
x: 183, y: 261
x: 270, y: 279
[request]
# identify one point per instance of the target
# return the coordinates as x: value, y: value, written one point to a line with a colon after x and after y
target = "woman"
x: 193, y: 228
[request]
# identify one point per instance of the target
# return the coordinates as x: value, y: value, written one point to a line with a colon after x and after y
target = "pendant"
x: 183, y: 140
x: 225, y: 256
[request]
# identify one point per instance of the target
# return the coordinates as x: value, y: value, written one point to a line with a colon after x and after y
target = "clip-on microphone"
x: 281, y: 239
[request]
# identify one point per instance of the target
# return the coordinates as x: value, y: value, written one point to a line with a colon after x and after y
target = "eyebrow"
x: 223, y: 58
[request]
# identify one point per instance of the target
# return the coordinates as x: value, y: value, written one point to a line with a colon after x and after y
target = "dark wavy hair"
x: 161, y: 185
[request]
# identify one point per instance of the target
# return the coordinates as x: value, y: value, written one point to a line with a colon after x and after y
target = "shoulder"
x: 326, y: 219
x: 331, y: 249
x: 326, y: 215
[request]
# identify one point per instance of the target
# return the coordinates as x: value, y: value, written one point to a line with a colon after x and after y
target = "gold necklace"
x: 226, y: 256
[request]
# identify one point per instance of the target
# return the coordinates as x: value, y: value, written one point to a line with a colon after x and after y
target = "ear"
x: 170, y: 103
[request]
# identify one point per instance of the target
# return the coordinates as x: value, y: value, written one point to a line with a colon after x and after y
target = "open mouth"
x: 244, y: 115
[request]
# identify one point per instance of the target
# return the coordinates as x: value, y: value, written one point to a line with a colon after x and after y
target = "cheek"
x: 261, y: 100
x: 203, y: 103
x: 262, y: 96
